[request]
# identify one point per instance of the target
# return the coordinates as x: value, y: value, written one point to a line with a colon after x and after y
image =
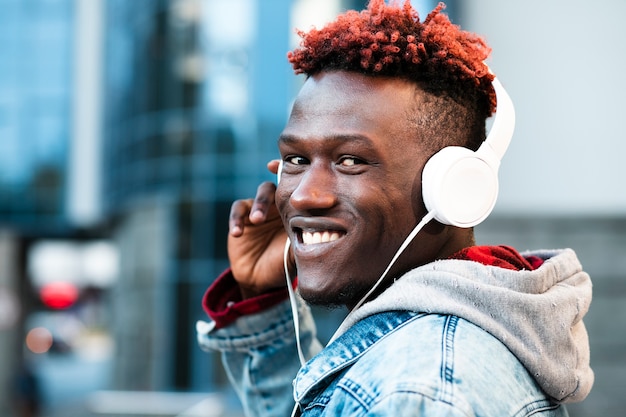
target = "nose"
x: 315, y: 190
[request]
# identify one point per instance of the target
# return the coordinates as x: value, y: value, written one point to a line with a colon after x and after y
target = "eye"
x: 296, y: 160
x: 349, y: 161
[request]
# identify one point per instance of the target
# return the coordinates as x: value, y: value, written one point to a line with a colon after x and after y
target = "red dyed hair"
x: 390, y: 40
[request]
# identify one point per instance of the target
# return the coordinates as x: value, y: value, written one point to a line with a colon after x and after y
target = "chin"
x: 321, y: 301
x: 326, y: 297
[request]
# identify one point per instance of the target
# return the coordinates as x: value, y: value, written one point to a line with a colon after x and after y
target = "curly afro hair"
x: 388, y: 40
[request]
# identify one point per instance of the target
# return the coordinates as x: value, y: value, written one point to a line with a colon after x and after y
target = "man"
x: 439, y: 326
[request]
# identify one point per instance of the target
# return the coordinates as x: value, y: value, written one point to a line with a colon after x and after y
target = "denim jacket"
x: 412, y: 364
x: 416, y: 361
x: 391, y: 364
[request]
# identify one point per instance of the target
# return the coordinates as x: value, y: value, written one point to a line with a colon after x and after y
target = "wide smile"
x: 316, y: 232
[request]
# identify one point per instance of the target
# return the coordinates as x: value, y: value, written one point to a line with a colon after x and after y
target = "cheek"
x: 385, y: 222
x: 408, y: 196
x: 407, y: 179
x: 281, y: 198
x: 404, y: 199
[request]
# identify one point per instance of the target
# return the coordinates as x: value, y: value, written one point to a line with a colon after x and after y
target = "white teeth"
x: 310, y: 238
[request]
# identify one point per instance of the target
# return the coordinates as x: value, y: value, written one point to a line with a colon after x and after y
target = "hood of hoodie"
x: 537, y: 314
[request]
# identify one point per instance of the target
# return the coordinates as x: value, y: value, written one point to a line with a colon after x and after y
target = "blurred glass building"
x: 36, y: 57
x: 36, y: 96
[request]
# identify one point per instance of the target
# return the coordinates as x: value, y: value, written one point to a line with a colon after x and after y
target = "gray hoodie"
x: 536, y: 314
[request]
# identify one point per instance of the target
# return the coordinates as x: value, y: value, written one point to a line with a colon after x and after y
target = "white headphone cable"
x: 428, y: 217
x: 292, y: 301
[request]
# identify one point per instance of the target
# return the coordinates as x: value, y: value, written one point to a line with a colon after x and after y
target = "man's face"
x: 350, y: 190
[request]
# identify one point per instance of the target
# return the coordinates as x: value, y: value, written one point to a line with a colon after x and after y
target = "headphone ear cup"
x: 460, y: 186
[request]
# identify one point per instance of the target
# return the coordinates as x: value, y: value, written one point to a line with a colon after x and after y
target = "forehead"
x: 346, y: 103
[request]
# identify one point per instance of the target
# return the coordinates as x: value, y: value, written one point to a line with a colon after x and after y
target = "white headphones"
x: 460, y: 186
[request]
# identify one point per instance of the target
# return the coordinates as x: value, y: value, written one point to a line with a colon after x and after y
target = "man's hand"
x: 256, y: 242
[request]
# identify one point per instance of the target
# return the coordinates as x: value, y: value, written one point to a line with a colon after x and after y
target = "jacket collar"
x: 317, y: 373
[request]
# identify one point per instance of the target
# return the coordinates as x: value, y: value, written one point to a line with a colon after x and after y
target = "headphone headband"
x: 501, y: 132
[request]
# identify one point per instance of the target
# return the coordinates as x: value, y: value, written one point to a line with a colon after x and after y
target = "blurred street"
x: 75, y: 385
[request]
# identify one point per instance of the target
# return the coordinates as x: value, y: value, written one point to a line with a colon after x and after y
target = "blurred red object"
x: 58, y: 295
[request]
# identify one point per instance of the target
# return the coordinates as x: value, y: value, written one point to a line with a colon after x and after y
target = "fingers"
x: 238, y: 213
x: 263, y: 202
x: 251, y: 211
x: 272, y: 166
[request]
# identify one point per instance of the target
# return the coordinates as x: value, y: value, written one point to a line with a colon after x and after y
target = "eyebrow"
x: 292, y: 140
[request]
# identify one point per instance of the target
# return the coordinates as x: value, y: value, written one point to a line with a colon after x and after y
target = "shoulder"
x: 446, y: 363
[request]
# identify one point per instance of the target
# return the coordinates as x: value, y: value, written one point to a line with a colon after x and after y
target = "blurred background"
x: 127, y: 128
